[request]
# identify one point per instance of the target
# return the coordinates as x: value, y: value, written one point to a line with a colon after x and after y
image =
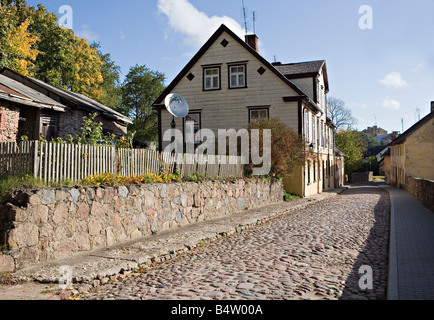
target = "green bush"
x: 290, y: 197
x: 196, y: 177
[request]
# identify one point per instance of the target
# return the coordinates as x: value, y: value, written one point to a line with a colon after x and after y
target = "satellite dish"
x: 176, y: 105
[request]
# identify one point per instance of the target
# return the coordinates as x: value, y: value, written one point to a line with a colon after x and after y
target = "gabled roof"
x: 406, y: 134
x: 17, y: 92
x: 310, y: 67
x: 207, y: 45
x: 69, y: 98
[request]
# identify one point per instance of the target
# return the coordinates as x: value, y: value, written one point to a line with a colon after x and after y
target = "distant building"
x: 375, y: 131
x: 386, y: 139
x: 381, y: 135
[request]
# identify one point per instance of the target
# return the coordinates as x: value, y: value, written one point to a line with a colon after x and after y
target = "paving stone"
x: 275, y: 260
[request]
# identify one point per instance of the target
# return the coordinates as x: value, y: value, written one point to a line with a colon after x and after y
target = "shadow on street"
x: 368, y: 279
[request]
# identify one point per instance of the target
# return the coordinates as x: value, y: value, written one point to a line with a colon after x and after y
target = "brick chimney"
x: 253, y: 41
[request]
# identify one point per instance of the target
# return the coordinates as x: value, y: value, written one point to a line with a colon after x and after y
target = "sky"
x: 379, y: 54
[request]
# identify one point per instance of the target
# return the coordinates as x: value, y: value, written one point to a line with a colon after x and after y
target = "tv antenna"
x: 417, y: 114
x: 245, y: 17
x: 254, y: 22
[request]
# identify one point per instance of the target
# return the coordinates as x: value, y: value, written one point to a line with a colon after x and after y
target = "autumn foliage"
x: 18, y: 43
x: 33, y: 44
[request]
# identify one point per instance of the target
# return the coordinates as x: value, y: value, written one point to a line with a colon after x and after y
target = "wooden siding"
x: 305, y: 84
x: 228, y: 108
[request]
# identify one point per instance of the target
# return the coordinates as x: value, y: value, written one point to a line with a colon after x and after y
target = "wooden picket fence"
x: 57, y: 162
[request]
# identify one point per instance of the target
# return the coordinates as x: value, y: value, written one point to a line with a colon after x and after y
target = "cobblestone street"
x: 313, y: 253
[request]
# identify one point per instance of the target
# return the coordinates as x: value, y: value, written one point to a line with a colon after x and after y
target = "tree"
x: 37, y: 46
x: 352, y: 145
x: 111, y: 75
x: 339, y: 114
x: 17, y: 45
x: 139, y: 90
x: 287, y: 147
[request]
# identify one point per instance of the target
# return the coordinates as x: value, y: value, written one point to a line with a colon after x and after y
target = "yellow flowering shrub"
x: 111, y: 179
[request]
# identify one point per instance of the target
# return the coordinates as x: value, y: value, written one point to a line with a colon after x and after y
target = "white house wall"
x: 228, y: 108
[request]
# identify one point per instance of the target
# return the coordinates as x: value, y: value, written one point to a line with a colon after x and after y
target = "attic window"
x: 190, y: 76
x: 237, y: 76
x: 211, y: 78
x: 224, y: 43
x: 261, y: 70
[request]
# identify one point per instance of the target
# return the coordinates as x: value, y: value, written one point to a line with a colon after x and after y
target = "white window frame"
x: 258, y: 110
x: 237, y: 74
x: 313, y: 129
x: 211, y: 77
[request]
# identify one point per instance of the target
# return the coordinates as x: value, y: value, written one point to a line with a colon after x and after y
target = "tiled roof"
x: 300, y: 68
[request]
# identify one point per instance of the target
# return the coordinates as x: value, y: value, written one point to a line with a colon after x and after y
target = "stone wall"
x: 52, y: 224
x: 422, y: 190
x: 9, y: 117
x: 71, y: 122
x: 357, y: 177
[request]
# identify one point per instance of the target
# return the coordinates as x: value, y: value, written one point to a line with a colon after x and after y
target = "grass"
x: 9, y: 184
x: 290, y: 196
x: 17, y: 182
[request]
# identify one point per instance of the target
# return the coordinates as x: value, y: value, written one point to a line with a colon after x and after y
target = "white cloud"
x: 394, y: 80
x: 88, y: 34
x: 418, y: 67
x: 122, y: 35
x: 194, y: 24
x: 391, y: 104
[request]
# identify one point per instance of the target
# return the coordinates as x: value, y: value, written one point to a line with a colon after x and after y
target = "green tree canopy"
x: 37, y: 46
x: 351, y: 144
x: 111, y: 75
x: 139, y: 90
